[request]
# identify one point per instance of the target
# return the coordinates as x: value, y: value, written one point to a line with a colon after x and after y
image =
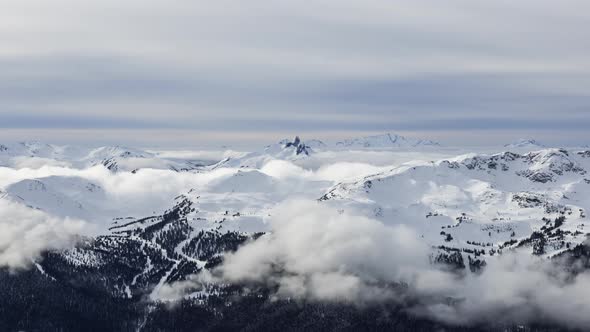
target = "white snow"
x: 482, y: 200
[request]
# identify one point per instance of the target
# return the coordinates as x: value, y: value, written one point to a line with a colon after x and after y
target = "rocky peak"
x: 300, y: 147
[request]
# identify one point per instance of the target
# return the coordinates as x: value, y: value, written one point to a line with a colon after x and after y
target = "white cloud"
x: 317, y: 253
x: 313, y: 244
x: 26, y: 233
x: 37, y: 162
x: 143, y: 193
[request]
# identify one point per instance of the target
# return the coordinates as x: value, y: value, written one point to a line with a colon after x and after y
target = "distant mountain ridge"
x: 525, y: 143
x: 115, y: 158
x: 385, y: 141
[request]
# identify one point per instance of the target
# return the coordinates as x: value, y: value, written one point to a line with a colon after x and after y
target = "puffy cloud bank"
x: 26, y: 233
x: 323, y: 254
x: 319, y: 253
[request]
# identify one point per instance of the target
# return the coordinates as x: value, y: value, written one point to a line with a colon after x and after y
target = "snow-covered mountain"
x: 126, y: 159
x: 60, y: 195
x: 114, y: 158
x: 316, y: 144
x: 499, y: 200
x: 285, y: 149
x: 385, y: 141
x: 158, y: 228
x: 525, y: 144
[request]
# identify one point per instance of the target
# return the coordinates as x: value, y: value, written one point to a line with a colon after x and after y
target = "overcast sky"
x: 191, y: 72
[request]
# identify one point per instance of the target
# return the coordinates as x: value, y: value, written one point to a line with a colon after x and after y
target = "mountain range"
x: 160, y: 222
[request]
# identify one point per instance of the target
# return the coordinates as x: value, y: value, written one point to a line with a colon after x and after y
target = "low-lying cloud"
x: 314, y: 247
x: 52, y: 215
x: 26, y: 233
x: 318, y: 253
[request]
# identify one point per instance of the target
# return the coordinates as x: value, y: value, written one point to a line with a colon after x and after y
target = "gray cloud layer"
x: 322, y: 66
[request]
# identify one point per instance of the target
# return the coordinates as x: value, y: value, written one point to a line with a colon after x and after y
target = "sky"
x: 199, y: 73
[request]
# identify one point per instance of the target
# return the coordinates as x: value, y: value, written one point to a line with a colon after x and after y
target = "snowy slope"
x: 490, y: 199
x: 61, y: 196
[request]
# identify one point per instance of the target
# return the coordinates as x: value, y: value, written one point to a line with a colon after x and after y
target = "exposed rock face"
x: 300, y: 147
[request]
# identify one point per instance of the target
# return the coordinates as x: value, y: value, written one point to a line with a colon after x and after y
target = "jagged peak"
x: 297, y: 146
